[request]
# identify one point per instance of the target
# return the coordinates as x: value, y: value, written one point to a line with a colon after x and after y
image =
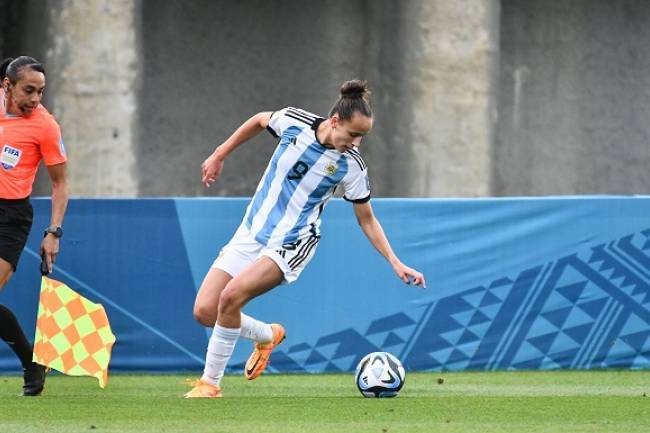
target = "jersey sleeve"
x: 278, y: 123
x: 51, y: 142
x: 282, y: 120
x: 357, y: 186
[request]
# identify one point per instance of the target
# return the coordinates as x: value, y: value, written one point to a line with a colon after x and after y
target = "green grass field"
x: 561, y: 401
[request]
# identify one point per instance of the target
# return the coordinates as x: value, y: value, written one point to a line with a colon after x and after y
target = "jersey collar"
x: 315, y: 126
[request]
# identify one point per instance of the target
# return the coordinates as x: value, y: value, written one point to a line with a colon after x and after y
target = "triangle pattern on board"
x: 572, y: 307
x: 593, y: 308
x: 558, y: 317
x: 572, y: 292
x: 452, y: 337
x: 442, y: 355
x: 346, y: 363
x: 569, y: 276
x: 464, y: 317
x: 392, y: 339
x: 579, y: 333
x: 299, y: 348
x: 490, y: 299
x: 500, y: 292
x: 390, y: 323
x: 638, y: 340
x: 543, y: 342
x: 315, y: 357
x: 474, y: 299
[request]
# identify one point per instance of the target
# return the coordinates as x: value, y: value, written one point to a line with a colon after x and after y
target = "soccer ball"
x: 379, y: 374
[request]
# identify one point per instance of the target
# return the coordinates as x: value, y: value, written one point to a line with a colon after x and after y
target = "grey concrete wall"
x: 145, y: 90
x: 24, y: 28
x: 573, y: 100
x: 209, y: 65
x: 93, y: 48
x: 432, y: 63
x: 471, y: 98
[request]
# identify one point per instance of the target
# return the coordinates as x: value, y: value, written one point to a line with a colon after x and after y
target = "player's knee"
x: 230, y: 301
x: 205, y: 316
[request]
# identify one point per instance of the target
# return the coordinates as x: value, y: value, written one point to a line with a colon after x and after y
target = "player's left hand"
x: 410, y: 275
x: 49, y: 249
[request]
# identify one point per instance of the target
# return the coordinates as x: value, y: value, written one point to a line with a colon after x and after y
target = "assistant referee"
x: 28, y: 134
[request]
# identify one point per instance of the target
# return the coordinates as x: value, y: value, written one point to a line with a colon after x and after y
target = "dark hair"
x: 354, y: 97
x: 11, y: 68
x: 3, y: 67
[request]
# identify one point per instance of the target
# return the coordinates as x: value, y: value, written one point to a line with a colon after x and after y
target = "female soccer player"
x: 28, y: 133
x: 280, y: 230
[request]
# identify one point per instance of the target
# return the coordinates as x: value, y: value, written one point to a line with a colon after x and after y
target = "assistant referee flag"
x: 73, y: 335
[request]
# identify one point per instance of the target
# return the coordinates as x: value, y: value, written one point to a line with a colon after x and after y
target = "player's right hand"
x: 211, y: 169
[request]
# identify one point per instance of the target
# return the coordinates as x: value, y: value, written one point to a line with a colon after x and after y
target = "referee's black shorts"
x: 16, y: 218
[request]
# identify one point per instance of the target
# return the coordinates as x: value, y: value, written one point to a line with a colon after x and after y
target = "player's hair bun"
x: 355, y: 89
x: 353, y: 98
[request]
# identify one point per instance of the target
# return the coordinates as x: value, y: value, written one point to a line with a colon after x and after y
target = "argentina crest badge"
x: 331, y: 168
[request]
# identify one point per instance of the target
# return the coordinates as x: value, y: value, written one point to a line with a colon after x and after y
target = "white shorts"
x: 243, y: 249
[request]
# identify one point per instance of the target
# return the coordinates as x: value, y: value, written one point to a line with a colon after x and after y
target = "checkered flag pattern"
x: 73, y: 335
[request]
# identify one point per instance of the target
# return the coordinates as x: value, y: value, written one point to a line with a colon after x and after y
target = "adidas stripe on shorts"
x: 243, y: 249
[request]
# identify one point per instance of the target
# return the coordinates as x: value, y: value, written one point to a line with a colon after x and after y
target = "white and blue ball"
x: 380, y: 374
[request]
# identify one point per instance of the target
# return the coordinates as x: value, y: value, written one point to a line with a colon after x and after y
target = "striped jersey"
x: 299, y: 180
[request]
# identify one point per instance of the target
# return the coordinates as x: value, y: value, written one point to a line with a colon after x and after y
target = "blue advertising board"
x: 512, y: 283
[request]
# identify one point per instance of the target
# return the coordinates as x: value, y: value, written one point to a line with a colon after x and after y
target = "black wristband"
x: 55, y: 230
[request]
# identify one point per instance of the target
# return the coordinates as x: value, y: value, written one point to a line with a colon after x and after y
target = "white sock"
x: 253, y: 329
x: 222, y: 342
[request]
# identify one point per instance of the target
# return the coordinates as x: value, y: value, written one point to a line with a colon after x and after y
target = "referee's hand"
x: 44, y: 270
x: 49, y: 250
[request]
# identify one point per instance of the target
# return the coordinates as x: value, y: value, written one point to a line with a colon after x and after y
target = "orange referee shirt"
x: 24, y: 141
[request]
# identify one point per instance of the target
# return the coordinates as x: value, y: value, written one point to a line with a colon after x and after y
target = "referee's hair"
x: 353, y: 97
x: 3, y: 67
x: 11, y: 68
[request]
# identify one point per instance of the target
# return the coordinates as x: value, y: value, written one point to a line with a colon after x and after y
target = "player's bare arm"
x: 375, y: 234
x: 59, y: 178
x: 212, y: 166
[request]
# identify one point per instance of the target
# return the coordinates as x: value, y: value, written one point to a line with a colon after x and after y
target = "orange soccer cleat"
x: 260, y: 357
x: 203, y: 390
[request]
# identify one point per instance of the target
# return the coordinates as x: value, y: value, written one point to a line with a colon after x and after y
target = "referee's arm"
x: 59, y: 178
